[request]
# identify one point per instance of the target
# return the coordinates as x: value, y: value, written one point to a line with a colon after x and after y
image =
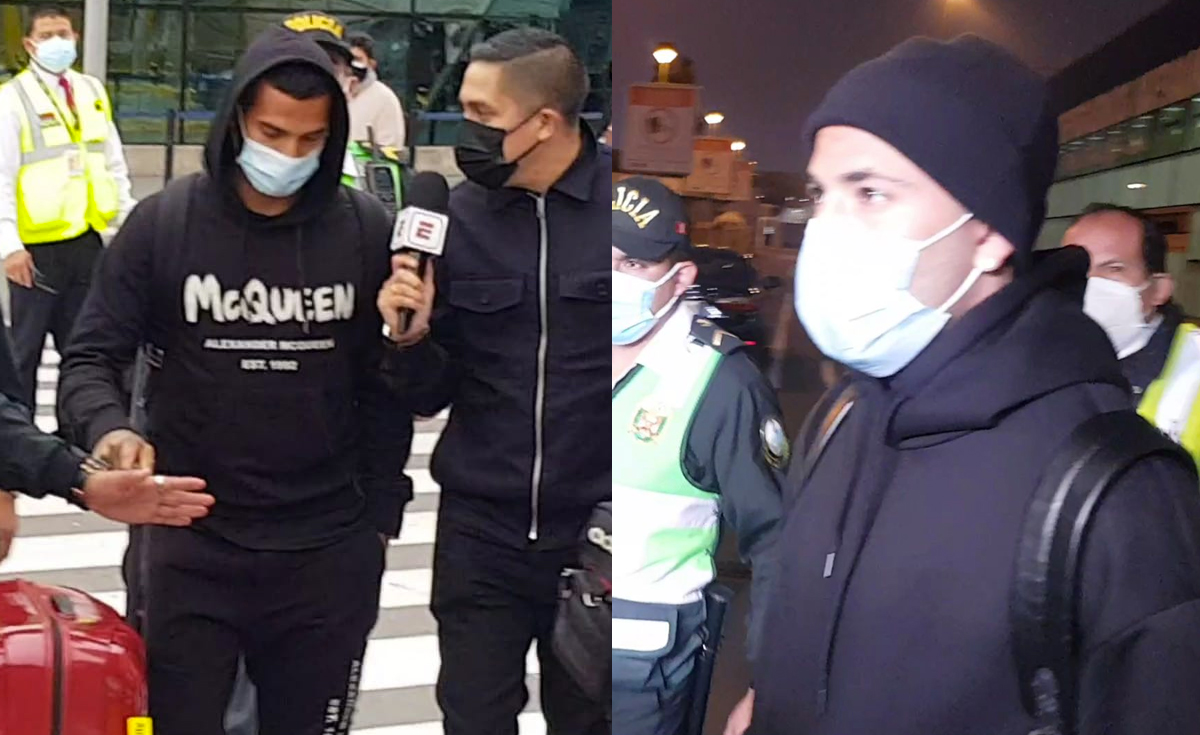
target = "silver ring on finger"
x: 160, y: 481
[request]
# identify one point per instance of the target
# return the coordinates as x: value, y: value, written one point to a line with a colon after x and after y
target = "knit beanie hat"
x: 970, y: 115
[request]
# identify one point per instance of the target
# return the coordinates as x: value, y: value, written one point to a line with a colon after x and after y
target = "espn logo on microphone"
x: 420, y: 229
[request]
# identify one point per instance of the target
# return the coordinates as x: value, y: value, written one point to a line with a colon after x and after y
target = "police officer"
x: 63, y: 180
x: 1129, y: 295
x: 696, y: 437
x: 362, y: 158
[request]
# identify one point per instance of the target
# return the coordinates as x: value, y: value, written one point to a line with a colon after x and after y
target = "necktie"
x: 70, y: 95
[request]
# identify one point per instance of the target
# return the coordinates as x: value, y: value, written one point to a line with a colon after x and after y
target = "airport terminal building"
x: 178, y: 55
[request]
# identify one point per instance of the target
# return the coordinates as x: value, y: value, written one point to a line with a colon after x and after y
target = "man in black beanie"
x: 970, y: 367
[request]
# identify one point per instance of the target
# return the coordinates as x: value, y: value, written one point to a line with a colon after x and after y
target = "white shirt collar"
x: 662, y: 352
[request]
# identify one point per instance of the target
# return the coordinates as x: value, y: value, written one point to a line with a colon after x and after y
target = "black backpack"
x: 583, y: 629
x: 1043, y: 603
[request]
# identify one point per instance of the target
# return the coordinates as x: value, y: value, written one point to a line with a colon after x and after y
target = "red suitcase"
x: 69, y: 665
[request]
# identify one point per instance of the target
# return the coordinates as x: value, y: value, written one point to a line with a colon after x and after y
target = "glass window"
x: 144, y: 60
x: 1170, y: 130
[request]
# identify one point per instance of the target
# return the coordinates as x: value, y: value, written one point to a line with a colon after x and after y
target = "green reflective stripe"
x: 32, y: 119
x: 682, y: 548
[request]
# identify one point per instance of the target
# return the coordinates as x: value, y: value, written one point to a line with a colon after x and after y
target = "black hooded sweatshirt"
x: 891, y: 610
x: 269, y: 385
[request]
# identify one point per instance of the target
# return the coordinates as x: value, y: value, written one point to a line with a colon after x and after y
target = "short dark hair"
x: 46, y: 11
x: 541, y: 64
x: 1154, y: 244
x: 297, y: 79
x: 362, y: 40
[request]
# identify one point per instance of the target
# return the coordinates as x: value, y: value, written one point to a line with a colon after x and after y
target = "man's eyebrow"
x: 866, y: 174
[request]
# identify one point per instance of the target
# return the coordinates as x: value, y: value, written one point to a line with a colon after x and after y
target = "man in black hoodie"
x: 517, y: 348
x: 254, y: 283
x: 930, y: 167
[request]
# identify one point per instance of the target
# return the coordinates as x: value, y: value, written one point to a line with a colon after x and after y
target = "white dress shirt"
x: 376, y: 106
x: 10, y: 157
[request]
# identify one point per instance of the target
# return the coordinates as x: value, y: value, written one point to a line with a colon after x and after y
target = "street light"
x: 664, y: 55
x: 737, y: 146
x: 714, y: 120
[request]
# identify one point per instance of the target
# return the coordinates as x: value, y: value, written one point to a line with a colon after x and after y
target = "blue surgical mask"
x: 632, y: 306
x: 56, y: 54
x: 273, y: 173
x: 852, y: 294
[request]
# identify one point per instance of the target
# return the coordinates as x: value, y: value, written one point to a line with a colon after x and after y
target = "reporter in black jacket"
x: 519, y: 349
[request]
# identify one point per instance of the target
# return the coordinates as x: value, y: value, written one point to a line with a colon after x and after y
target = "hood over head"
x: 273, y: 47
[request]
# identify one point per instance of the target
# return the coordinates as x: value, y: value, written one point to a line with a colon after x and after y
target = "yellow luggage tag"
x: 139, y: 726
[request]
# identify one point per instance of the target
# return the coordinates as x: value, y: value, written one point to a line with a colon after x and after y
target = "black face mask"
x: 480, y: 153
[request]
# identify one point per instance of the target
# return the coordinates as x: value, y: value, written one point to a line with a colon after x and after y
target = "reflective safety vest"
x: 669, y: 528
x: 64, y: 186
x: 1172, y: 402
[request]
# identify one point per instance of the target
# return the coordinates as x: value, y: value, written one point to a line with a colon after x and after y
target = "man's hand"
x: 405, y: 291
x: 8, y: 522
x: 123, y: 449
x: 136, y: 497
x: 739, y: 720
x: 19, y: 268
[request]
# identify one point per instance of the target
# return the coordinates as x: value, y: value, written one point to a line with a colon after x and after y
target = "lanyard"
x: 71, y: 120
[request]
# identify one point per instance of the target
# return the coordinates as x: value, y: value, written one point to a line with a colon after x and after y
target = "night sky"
x: 767, y: 63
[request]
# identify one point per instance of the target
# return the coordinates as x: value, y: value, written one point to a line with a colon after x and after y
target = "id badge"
x: 75, y: 164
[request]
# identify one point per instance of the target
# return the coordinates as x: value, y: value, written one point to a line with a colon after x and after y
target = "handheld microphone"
x: 421, y: 226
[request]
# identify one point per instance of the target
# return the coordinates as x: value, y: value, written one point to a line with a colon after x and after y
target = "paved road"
x: 61, y: 545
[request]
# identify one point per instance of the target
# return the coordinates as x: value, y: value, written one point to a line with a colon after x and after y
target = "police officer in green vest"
x: 1129, y: 295
x: 696, y: 437
x: 376, y: 169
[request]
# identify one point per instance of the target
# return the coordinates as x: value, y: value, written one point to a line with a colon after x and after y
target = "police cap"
x: 648, y: 220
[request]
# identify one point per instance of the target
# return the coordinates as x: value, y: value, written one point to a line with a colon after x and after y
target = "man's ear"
x: 686, y: 277
x: 993, y: 252
x: 1161, y: 290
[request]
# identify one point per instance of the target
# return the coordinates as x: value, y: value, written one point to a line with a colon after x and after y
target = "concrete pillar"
x: 95, y: 38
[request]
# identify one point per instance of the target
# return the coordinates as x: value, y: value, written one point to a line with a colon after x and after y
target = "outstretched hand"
x: 136, y: 497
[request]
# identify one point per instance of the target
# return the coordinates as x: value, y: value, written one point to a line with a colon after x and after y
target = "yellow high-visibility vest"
x: 1172, y: 402
x: 64, y: 186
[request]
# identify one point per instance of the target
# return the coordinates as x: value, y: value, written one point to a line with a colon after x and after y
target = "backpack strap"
x: 823, y: 421
x: 171, y: 216
x: 1045, y: 596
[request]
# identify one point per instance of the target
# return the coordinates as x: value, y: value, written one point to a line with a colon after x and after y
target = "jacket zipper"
x: 539, y: 405
x: 59, y: 662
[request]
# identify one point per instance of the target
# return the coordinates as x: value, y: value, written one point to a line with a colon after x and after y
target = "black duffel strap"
x: 1045, y: 598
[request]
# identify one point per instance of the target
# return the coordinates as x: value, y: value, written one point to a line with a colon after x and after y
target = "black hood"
x: 273, y: 47
x: 1029, y: 340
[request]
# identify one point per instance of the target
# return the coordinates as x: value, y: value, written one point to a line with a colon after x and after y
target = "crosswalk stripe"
x: 28, y: 507
x: 105, y: 549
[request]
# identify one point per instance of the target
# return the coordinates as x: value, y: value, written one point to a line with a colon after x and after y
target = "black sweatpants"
x: 52, y: 305
x: 300, y: 618
x: 491, y: 602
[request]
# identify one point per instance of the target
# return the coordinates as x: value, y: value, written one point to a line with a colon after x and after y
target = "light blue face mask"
x: 632, y: 306
x: 852, y: 294
x: 272, y: 173
x: 56, y: 54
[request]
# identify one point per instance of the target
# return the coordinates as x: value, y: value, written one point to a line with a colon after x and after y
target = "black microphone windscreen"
x: 428, y: 190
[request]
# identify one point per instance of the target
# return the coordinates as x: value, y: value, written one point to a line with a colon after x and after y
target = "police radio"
x: 377, y: 175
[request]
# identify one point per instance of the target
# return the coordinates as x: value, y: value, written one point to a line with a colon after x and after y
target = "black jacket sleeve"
x: 426, y: 373
x: 386, y: 420
x: 1140, y: 611
x: 726, y: 455
x: 111, y: 327
x: 31, y: 461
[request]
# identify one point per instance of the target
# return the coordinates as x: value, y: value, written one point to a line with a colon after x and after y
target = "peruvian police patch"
x: 775, y: 444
